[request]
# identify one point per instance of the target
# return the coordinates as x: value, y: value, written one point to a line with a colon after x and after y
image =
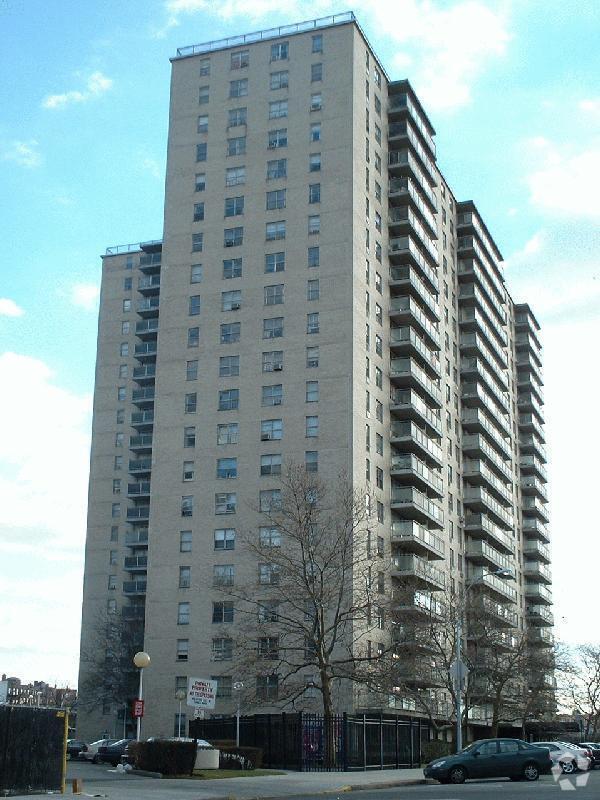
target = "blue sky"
x: 512, y: 89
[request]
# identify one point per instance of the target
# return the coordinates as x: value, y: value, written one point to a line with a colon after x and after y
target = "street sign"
x: 199, y: 713
x: 202, y: 693
x: 138, y: 709
x: 459, y: 673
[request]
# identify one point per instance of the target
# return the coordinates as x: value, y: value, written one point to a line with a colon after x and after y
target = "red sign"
x: 138, y: 708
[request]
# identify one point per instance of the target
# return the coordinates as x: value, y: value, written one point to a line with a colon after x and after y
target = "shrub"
x: 240, y: 758
x: 436, y: 748
x: 167, y: 757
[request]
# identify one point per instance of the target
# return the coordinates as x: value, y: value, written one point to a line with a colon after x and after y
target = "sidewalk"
x: 127, y: 787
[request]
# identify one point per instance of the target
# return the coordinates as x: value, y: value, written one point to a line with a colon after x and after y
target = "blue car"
x: 492, y: 758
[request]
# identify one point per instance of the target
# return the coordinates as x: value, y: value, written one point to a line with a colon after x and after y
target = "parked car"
x: 492, y: 758
x: 75, y: 748
x: 111, y: 753
x: 570, y: 757
x: 91, y: 754
x: 595, y: 750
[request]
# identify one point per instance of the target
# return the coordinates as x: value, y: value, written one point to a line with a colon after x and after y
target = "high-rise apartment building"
x: 319, y: 296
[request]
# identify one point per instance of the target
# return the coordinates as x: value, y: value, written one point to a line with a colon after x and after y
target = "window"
x: 126, y: 305
x: 379, y: 478
x: 236, y: 117
x: 193, y: 337
x: 268, y: 647
x: 277, y: 169
x: 312, y: 289
x: 267, y: 687
x: 377, y: 105
x: 312, y: 357
x: 225, y: 502
x: 315, y: 102
x: 316, y: 72
x: 378, y: 345
x: 205, y: 66
x: 276, y: 199
x: 222, y: 649
x: 227, y: 468
x: 183, y: 649
x: 380, y: 512
x: 271, y: 430
x: 275, y: 230
x: 311, y: 460
x: 123, y: 370
x: 234, y: 206
x: 378, y: 191
x: 228, y: 433
x: 240, y: 59
x: 232, y: 268
x: 378, y: 163
x: 121, y: 393
x: 280, y: 51
x: 230, y: 332
x: 279, y: 80
x: 268, y: 611
x: 238, y: 88
x: 183, y: 614
x: 272, y: 361
x: 233, y: 237
x: 314, y: 224
x: 191, y: 403
x: 378, y: 378
x: 118, y: 463
x: 115, y: 510
x: 312, y: 427
x: 223, y: 574
x: 312, y: 322
x: 268, y: 574
x: 187, y: 506
x: 278, y: 109
x: 378, y: 282
x: 235, y: 176
x: 229, y: 399
x: 314, y: 193
x: 189, y: 436
x: 191, y: 370
x: 112, y: 582
x: 124, y: 349
x: 200, y: 182
x: 185, y: 541
x: 203, y: 95
x: 379, y: 410
x: 313, y: 257
x: 222, y: 611
x: 236, y: 146
x: 379, y: 444
x: 185, y: 577
x: 312, y: 391
x: 196, y: 273
x: 315, y: 132
x: 273, y: 295
x: 277, y: 138
x: 127, y: 284
x: 272, y: 395
x: 229, y: 366
x: 232, y: 300
x: 317, y: 43
x: 224, y: 539
x: 201, y: 151
x: 273, y: 328
x: 274, y: 262
x: 377, y: 134
x: 270, y: 464
x: 377, y: 220
x: 197, y: 242
x: 203, y: 123
x: 194, y: 305
x: 314, y: 162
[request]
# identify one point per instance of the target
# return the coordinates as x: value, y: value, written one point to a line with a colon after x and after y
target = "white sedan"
x: 91, y: 754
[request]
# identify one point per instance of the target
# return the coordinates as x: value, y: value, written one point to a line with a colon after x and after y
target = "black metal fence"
x: 31, y: 749
x: 310, y: 743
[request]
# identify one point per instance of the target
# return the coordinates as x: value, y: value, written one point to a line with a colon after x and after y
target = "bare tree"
x: 579, y: 686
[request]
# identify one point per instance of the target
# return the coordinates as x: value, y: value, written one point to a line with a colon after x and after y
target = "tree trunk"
x: 328, y: 721
x: 495, y: 717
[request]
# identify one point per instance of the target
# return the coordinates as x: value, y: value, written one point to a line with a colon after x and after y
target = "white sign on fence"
x: 201, y: 693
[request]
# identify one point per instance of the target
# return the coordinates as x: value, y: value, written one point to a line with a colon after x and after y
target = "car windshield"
x: 470, y: 747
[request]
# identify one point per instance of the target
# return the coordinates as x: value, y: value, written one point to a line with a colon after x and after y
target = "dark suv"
x: 492, y: 758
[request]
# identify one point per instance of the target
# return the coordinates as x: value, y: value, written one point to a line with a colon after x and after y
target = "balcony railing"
x: 472, y: 342
x: 477, y: 496
x: 409, y: 308
x: 409, y: 533
x: 405, y: 130
x: 538, y: 592
x: 476, y: 393
x: 469, y: 315
x: 535, y: 570
x: 137, y: 537
x: 500, y: 612
x: 470, y: 365
x: 533, y: 528
x: 476, y: 418
x: 408, y: 369
x: 140, y: 465
x: 480, y: 551
x: 408, y: 401
x: 398, y: 102
x: 480, y: 524
x: 405, y: 274
x: 401, y: 215
x: 535, y: 549
x: 407, y: 496
x: 138, y: 512
x: 419, y: 602
x: 133, y: 563
x: 408, y: 188
x: 145, y: 326
x: 409, y: 337
x: 139, y: 488
x: 474, y: 470
x: 409, y: 464
x: 477, y: 443
x: 405, y: 160
x: 493, y: 582
x: 407, y: 430
x: 405, y: 245
x: 540, y: 615
x: 134, y: 587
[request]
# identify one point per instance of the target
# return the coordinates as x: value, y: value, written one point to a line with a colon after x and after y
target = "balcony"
x: 415, y: 505
x: 409, y: 468
x: 144, y: 375
x: 533, y: 506
x: 527, y: 402
x: 540, y: 615
x: 139, y: 489
x: 527, y: 382
x: 134, y: 588
x: 403, y: 220
x: 140, y: 466
x: 530, y: 445
x: 416, y: 538
x: 540, y: 637
x: 137, y: 537
x: 419, y: 570
x: 407, y: 341
x: 408, y: 638
x: 477, y: 445
x: 469, y: 270
x: 537, y: 593
x: 526, y: 361
x: 469, y: 294
x: 529, y: 423
x: 409, y: 404
x: 480, y: 552
x: 403, y: 190
x: 150, y: 263
x: 142, y: 419
x: 406, y: 277
x: 421, y: 675
x: 405, y: 309
x: 405, y: 134
x: 146, y: 351
x: 477, y: 473
x: 477, y: 421
x: 526, y: 323
x: 147, y: 328
x: 149, y: 284
x: 413, y: 439
x: 479, y: 499
x: 148, y: 307
x: 143, y: 397
x: 474, y: 394
x: 503, y: 615
x: 473, y: 344
x: 141, y: 443
x: 404, y: 249
x: 417, y: 604
x: 475, y: 368
x: 481, y: 527
x: 471, y: 318
x: 138, y: 514
x: 534, y: 529
x: 406, y: 372
x: 400, y: 105
x: 136, y: 563
x: 526, y: 343
x: 532, y: 465
x: 536, y: 571
x: 536, y: 550
x: 493, y: 583
x: 403, y: 162
x: 133, y: 612
x: 530, y: 485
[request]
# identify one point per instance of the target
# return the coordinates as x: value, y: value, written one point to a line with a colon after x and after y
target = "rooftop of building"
x: 151, y: 246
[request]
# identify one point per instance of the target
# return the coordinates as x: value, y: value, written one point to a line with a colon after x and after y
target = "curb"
x: 335, y: 790
x: 144, y: 773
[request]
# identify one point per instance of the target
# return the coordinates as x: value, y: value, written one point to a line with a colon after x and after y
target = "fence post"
x: 345, y: 742
x: 381, y: 741
x: 396, y: 741
x: 364, y: 742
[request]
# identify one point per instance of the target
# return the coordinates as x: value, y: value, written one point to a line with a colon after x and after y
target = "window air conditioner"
x: 265, y: 437
x: 277, y: 367
x: 235, y: 306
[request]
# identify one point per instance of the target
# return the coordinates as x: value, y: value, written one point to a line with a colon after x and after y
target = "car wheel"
x: 531, y: 772
x: 457, y: 775
x: 568, y: 767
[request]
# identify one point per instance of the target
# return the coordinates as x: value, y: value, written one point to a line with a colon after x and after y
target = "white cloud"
x: 154, y: 167
x: 85, y: 295
x: 590, y: 106
x: 563, y: 181
x: 25, y: 154
x: 96, y: 84
x: 8, y: 308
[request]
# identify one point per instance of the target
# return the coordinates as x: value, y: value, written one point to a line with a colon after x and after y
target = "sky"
x: 511, y: 88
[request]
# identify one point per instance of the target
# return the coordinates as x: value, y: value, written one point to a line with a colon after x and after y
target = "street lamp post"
x: 237, y: 687
x: 180, y: 695
x: 141, y: 661
x: 460, y: 668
